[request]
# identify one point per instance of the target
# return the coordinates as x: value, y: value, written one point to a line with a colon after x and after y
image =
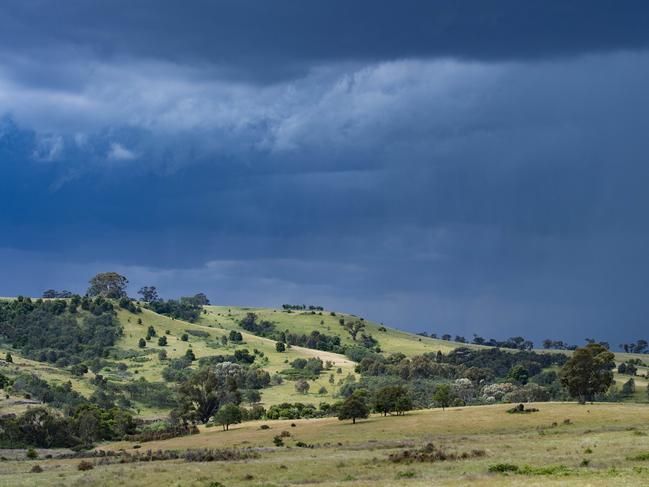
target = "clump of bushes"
x: 162, y: 431
x: 528, y: 469
x: 521, y: 409
x: 432, y: 453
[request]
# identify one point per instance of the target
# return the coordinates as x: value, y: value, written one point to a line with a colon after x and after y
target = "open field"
x: 594, y: 448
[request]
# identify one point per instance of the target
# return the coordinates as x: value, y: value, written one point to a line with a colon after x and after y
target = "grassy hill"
x: 217, y: 321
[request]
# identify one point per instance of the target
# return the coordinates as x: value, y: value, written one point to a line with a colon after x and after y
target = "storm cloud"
x: 437, y: 166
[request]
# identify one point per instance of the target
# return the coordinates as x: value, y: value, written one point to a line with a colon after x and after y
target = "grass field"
x: 596, y: 447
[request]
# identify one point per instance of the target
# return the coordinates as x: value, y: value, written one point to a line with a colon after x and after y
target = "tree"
x: 302, y: 386
x: 391, y: 399
x: 227, y: 415
x: 149, y: 294
x: 162, y: 341
x: 141, y: 343
x: 190, y: 354
x: 628, y: 387
x: 443, y: 396
x: 588, y: 372
x: 9, y: 358
x: 208, y: 389
x: 108, y: 285
x: 354, y: 328
x: 252, y: 396
x: 201, y: 299
x: 280, y: 347
x: 518, y: 373
x: 354, y: 407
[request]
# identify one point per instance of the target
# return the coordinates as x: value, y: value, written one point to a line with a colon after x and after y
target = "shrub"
x: 521, y: 409
x: 278, y: 441
x: 85, y: 465
x: 31, y: 453
x: 503, y: 468
x: 431, y: 453
x: 36, y: 469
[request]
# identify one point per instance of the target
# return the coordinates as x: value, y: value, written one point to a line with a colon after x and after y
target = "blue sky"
x: 461, y: 167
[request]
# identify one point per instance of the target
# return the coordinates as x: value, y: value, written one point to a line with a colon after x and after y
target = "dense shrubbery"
x: 162, y: 430
x: 187, y: 308
x: 54, y: 394
x: 304, y: 369
x: 44, y: 428
x: 53, y: 331
x: 152, y: 394
x: 296, y: 410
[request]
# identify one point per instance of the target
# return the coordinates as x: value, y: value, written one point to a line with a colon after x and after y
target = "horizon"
x: 451, y: 169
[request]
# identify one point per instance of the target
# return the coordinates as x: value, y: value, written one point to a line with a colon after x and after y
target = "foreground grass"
x: 612, y: 438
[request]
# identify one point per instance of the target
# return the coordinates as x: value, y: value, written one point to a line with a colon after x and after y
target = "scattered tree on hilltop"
x: 149, y: 294
x: 108, y: 285
x: 53, y: 294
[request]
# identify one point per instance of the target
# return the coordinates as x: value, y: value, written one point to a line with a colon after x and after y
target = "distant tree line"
x: 298, y: 307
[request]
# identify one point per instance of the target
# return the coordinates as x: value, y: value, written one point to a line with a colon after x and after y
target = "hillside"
x: 204, y: 338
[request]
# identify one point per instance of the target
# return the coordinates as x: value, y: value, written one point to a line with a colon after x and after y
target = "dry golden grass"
x: 357, y: 455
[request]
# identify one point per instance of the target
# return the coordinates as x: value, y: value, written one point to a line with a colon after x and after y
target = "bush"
x: 278, y: 441
x: 85, y: 465
x: 503, y: 468
x: 31, y: 453
x: 522, y: 409
x: 431, y: 453
x: 36, y: 469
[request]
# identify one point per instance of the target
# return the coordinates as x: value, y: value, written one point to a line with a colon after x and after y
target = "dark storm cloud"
x: 270, y: 40
x: 445, y: 166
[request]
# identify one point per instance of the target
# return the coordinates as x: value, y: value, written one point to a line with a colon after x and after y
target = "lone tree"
x: 141, y: 343
x: 162, y: 341
x: 108, y: 285
x: 302, y: 386
x: 354, y: 328
x: 354, y: 407
x: 588, y: 372
x: 149, y: 294
x: 443, y: 396
x: 280, y: 347
x: 227, y: 415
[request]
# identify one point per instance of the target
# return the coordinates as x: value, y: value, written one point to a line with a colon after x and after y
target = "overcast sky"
x: 446, y: 166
